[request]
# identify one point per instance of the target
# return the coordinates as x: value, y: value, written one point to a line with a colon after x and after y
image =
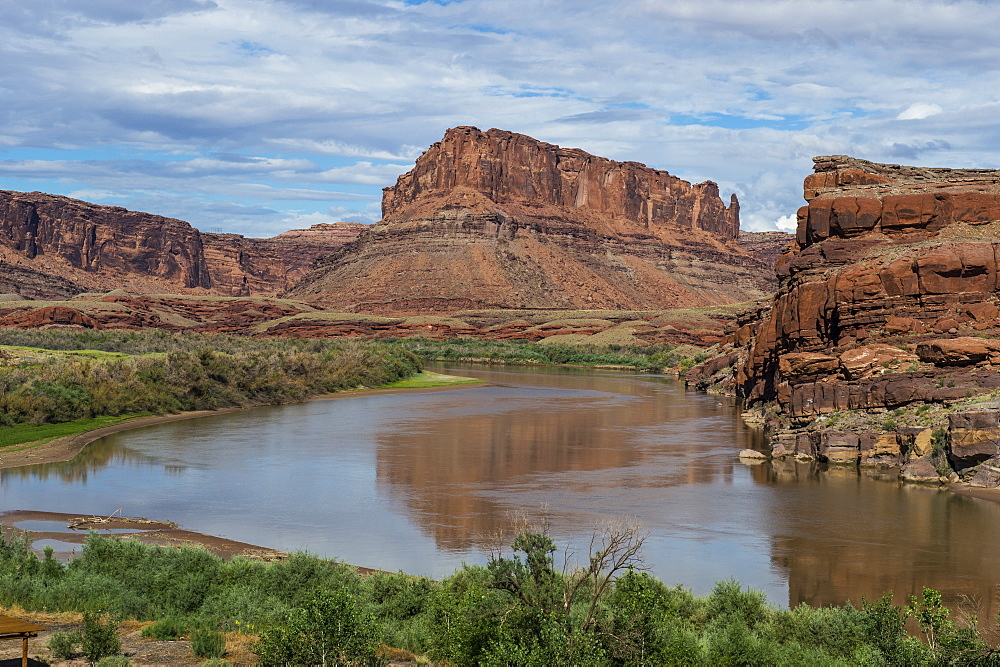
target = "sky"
x: 259, y: 116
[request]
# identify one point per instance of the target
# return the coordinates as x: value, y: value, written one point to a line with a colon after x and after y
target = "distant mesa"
x: 337, y: 233
x: 52, y: 246
x: 497, y: 219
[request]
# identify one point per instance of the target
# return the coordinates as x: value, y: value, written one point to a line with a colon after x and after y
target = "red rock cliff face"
x: 514, y: 171
x: 876, y: 243
x: 888, y: 300
x: 499, y: 220
x: 107, y: 247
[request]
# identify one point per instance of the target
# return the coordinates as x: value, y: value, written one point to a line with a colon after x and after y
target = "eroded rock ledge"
x: 881, y: 345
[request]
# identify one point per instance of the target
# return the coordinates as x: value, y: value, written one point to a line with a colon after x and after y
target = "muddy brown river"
x: 421, y: 482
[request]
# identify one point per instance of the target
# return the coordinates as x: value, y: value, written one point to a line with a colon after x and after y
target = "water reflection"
x: 461, y: 469
x: 98, y: 455
x: 852, y: 533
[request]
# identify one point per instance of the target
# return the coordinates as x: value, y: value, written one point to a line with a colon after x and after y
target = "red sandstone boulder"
x: 800, y: 366
x: 883, y: 449
x: 902, y: 325
x: 876, y: 358
x: 839, y: 447
x: 50, y: 315
x: 983, y: 312
x: 920, y: 471
x: 988, y: 475
x: 962, y: 351
x: 974, y: 436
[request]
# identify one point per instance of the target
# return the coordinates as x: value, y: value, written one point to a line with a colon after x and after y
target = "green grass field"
x: 427, y: 379
x: 22, y: 434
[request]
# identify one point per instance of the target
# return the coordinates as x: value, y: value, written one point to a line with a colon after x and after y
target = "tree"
x: 552, y: 616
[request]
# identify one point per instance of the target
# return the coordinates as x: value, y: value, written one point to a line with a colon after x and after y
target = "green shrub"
x: 329, y: 628
x: 173, y: 372
x: 166, y: 629
x: 207, y: 643
x: 63, y: 645
x: 113, y: 661
x: 100, y: 637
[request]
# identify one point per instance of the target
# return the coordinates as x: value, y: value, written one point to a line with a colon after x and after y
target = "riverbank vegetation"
x: 657, y: 358
x: 518, y: 609
x: 48, y: 379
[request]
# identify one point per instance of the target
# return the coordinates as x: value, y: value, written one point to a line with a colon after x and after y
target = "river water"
x: 423, y: 483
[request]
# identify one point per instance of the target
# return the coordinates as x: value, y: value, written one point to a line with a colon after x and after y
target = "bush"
x: 173, y: 372
x: 167, y: 629
x: 100, y: 637
x: 113, y: 661
x: 63, y: 645
x: 330, y: 627
x: 208, y: 643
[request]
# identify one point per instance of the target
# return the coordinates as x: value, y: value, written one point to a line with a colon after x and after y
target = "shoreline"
x: 67, y: 447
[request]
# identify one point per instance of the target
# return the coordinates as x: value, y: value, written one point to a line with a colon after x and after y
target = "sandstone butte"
x: 52, y: 246
x: 879, y: 347
x: 500, y: 220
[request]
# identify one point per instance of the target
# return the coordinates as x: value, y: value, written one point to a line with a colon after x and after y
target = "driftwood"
x: 85, y: 523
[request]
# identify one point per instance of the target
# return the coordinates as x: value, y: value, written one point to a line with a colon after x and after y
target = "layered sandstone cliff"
x: 80, y: 245
x: 499, y: 220
x: 879, y: 346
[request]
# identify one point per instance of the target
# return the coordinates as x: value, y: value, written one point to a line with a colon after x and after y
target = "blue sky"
x: 258, y: 116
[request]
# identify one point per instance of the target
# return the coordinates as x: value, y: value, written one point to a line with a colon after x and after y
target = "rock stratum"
x: 881, y: 345
x: 500, y: 220
x: 53, y: 246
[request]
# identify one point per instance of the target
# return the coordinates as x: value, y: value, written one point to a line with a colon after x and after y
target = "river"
x: 422, y: 483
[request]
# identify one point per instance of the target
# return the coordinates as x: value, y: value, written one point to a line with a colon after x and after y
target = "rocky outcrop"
x: 882, y: 251
x: 79, y: 246
x: 886, y: 316
x: 499, y: 220
x: 765, y: 246
x: 32, y: 284
x: 337, y: 233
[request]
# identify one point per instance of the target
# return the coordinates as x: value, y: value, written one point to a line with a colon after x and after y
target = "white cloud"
x: 786, y: 223
x: 919, y: 110
x: 264, y: 103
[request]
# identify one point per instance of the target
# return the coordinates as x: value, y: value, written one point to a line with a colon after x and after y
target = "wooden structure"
x: 15, y: 628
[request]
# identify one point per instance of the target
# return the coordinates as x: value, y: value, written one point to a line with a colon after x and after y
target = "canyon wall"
x: 80, y: 246
x: 499, y: 220
x: 880, y: 344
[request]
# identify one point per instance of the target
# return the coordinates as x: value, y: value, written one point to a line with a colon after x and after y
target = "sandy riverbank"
x: 160, y: 533
x: 64, y: 449
x: 993, y: 495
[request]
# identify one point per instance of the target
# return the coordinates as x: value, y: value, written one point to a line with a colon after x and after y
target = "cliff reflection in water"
x: 936, y: 539
x: 599, y: 449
